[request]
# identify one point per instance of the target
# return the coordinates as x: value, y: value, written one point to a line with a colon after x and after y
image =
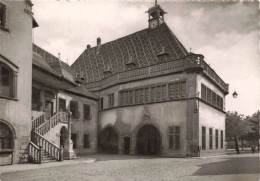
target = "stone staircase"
x: 40, y: 149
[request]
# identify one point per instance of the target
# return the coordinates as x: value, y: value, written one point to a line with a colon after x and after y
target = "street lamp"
x: 235, y: 94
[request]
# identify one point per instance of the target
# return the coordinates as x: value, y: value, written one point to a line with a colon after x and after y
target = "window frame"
x: 111, y: 100
x: 3, y: 26
x: 76, y: 115
x: 216, y: 138
x: 85, y: 107
x: 203, y: 138
x: 13, y: 72
x: 62, y: 99
x: 173, y: 136
x: 211, y: 138
x: 86, y: 144
x: 221, y: 139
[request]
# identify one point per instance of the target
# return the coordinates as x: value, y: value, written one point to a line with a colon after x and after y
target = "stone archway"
x: 7, y: 143
x: 148, y: 141
x: 109, y: 140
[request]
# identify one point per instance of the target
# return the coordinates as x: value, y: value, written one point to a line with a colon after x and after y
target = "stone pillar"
x: 68, y: 152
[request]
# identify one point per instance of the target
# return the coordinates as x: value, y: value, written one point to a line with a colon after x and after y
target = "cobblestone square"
x: 139, y: 168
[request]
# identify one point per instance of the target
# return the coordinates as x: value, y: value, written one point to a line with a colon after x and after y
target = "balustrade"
x: 38, y: 121
x: 173, y: 66
x: 53, y: 121
x: 53, y: 150
x: 35, y: 153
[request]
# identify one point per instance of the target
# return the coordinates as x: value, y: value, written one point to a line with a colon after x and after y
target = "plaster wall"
x: 81, y: 126
x: 211, y: 117
x: 16, y: 46
x: 128, y: 120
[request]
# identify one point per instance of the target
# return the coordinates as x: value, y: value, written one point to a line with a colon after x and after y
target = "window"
x: 210, y: 138
x: 158, y: 93
x: 214, y: 98
x: 209, y: 95
x: 147, y: 92
x: 174, y: 137
x: 177, y: 90
x: 137, y: 96
x: 131, y: 97
x: 74, y: 109
x: 7, y: 82
x: 87, y: 114
x: 111, y: 100
x: 216, y: 137
x: 101, y: 103
x: 203, y: 92
x: 36, y: 99
x: 62, y: 104
x: 6, y: 137
x: 74, y: 140
x: 164, y: 92
x: 203, y: 138
x: 86, y: 141
x: 221, y: 143
x: 141, y: 95
x: 2, y: 15
x: 153, y: 94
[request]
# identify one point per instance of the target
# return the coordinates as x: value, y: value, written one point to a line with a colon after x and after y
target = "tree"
x: 254, y: 121
x: 236, y: 127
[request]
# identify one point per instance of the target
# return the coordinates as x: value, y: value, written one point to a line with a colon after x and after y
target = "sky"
x: 225, y: 33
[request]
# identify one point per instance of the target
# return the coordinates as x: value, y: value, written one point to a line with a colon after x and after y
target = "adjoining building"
x: 155, y: 96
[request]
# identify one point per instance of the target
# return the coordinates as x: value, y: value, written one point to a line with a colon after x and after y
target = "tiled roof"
x: 57, y: 66
x: 141, y: 48
x: 82, y: 91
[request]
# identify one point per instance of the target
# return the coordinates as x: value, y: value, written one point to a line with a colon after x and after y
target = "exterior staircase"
x: 40, y: 149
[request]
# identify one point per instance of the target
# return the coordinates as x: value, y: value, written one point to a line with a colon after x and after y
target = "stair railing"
x: 53, y: 121
x: 35, y: 153
x: 53, y: 150
x: 38, y: 121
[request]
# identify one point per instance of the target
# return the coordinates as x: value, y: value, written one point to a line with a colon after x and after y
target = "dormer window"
x: 130, y: 64
x: 107, y: 71
x: 162, y: 55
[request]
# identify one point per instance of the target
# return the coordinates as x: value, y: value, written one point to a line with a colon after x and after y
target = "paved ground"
x: 120, y: 167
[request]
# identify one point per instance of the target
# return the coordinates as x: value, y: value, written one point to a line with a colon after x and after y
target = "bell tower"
x: 155, y: 16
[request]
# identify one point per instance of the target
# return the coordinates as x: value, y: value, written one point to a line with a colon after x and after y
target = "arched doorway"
x: 109, y: 140
x: 148, y: 141
x: 7, y: 136
x: 63, y: 135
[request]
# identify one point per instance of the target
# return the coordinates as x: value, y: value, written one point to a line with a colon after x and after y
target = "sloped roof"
x: 51, y: 62
x: 82, y: 91
x: 141, y: 47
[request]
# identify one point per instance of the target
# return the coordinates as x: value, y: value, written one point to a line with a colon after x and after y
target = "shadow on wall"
x: 240, y: 165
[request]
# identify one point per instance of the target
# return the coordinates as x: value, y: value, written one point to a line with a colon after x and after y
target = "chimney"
x: 98, y: 41
x: 88, y: 46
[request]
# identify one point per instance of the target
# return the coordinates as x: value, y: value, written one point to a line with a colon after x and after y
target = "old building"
x: 140, y: 94
x: 155, y: 96
x: 16, y: 23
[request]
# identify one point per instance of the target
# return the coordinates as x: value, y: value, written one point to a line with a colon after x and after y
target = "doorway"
x: 48, y: 109
x: 126, y: 145
x: 148, y: 141
x: 109, y: 141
